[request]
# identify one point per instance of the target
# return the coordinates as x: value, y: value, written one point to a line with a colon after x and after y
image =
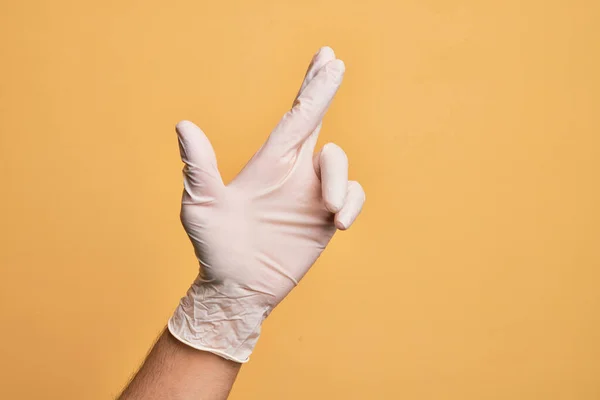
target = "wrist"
x: 222, y: 318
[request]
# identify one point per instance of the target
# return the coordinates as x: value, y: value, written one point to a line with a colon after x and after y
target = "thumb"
x: 201, y: 178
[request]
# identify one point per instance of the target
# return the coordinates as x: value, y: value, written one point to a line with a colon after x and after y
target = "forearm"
x: 175, y: 371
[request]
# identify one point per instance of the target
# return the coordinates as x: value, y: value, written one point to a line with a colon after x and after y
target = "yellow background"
x: 473, y: 272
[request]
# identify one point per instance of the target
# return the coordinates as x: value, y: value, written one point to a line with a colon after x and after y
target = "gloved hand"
x: 256, y: 237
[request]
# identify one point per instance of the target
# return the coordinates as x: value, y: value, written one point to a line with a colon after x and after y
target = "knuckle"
x: 358, y: 190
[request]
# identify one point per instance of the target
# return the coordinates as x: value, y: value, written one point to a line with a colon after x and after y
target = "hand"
x: 258, y: 236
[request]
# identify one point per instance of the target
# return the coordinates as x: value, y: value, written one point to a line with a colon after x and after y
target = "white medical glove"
x: 256, y: 237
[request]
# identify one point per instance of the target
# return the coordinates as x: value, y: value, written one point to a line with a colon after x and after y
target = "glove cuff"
x: 219, y: 318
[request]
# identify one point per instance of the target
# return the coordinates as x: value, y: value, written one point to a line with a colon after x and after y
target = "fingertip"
x: 340, y: 225
x: 183, y: 125
x: 352, y: 207
x: 337, y: 65
x: 335, y: 69
x: 326, y: 51
x: 336, y: 152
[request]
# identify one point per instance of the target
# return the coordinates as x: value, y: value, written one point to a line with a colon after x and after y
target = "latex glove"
x: 256, y: 237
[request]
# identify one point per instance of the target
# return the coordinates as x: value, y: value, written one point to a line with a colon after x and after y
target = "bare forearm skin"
x: 175, y: 371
